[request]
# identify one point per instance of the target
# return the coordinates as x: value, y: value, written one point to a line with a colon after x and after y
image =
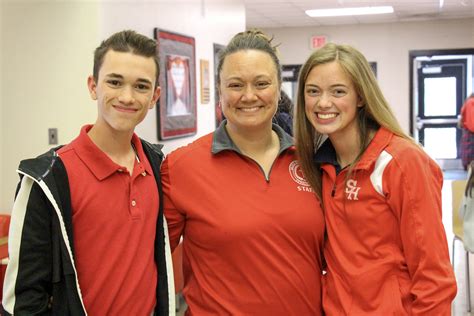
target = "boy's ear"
x: 156, y: 96
x: 92, y: 86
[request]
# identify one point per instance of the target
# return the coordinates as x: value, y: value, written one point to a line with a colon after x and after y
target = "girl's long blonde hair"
x: 374, y: 112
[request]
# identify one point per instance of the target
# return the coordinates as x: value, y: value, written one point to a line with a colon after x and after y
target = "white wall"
x: 387, y: 44
x: 46, y: 57
x: 47, y: 54
x: 215, y: 22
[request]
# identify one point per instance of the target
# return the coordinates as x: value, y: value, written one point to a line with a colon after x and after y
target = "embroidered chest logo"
x: 296, y: 174
x: 352, y: 190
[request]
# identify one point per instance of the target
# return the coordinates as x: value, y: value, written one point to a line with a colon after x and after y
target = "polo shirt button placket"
x: 134, y: 203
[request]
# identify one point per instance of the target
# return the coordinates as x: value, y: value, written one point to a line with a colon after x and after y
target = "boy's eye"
x: 113, y: 82
x: 141, y: 86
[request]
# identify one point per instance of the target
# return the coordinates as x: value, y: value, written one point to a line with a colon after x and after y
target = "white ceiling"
x: 291, y: 13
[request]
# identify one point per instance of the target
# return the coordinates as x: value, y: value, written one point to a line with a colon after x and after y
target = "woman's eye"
x: 262, y: 84
x: 234, y: 85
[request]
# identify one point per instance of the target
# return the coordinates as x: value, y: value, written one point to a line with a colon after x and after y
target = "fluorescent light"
x: 349, y: 11
x: 441, y: 3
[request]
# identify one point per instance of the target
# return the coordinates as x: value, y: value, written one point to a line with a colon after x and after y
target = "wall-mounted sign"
x: 318, y: 41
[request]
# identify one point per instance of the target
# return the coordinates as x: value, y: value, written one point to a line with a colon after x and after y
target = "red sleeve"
x: 175, y: 219
x: 414, y: 185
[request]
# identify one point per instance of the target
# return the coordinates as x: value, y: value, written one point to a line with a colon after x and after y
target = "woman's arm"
x: 175, y: 219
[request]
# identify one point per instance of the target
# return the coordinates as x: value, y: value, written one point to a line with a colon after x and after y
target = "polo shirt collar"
x: 221, y: 140
x: 97, y: 161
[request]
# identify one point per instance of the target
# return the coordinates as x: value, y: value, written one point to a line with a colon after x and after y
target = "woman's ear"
x: 360, y: 102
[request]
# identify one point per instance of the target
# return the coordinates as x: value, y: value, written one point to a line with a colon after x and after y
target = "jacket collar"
x: 326, y: 154
x: 221, y: 140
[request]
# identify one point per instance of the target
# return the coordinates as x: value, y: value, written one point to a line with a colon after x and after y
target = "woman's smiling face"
x: 249, y: 89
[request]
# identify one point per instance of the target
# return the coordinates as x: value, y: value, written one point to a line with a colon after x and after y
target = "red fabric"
x: 4, y: 251
x: 4, y: 224
x: 4, y: 228
x: 178, y: 268
x: 386, y: 252
x: 250, y: 246
x: 114, y: 222
x: 467, y: 114
x: 3, y: 269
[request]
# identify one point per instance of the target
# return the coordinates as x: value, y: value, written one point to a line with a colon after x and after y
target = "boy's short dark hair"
x: 127, y: 41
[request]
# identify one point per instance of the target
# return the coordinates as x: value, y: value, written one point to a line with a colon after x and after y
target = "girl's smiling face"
x: 331, y: 100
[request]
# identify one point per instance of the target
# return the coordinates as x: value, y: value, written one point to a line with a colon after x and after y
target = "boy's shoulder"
x: 41, y: 165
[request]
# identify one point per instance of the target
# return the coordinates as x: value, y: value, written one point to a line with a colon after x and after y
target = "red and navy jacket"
x: 386, y: 250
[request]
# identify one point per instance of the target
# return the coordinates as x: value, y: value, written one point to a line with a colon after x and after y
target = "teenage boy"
x: 87, y: 234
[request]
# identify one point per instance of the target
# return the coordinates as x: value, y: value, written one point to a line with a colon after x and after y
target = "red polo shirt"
x: 114, y: 222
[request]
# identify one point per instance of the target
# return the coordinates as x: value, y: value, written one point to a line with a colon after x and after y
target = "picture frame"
x: 176, y: 107
x: 217, y: 48
x: 205, y: 83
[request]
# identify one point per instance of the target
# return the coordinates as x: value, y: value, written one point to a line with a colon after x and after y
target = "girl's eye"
x: 312, y: 91
x: 339, y: 92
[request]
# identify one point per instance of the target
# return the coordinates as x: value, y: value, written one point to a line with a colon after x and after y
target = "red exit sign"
x: 318, y: 41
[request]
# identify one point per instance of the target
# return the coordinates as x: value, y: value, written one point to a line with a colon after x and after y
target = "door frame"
x: 413, y: 54
x: 456, y: 67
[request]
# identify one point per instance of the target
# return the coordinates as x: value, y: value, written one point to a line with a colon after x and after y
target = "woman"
x: 252, y: 228
x: 386, y: 251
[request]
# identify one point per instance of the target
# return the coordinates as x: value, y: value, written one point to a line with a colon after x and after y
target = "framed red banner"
x: 176, y: 108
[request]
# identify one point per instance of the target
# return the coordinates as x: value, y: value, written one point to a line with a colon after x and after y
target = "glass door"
x: 441, y: 91
x: 289, y: 75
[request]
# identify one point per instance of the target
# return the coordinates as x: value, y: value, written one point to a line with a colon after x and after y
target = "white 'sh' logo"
x: 352, y: 190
